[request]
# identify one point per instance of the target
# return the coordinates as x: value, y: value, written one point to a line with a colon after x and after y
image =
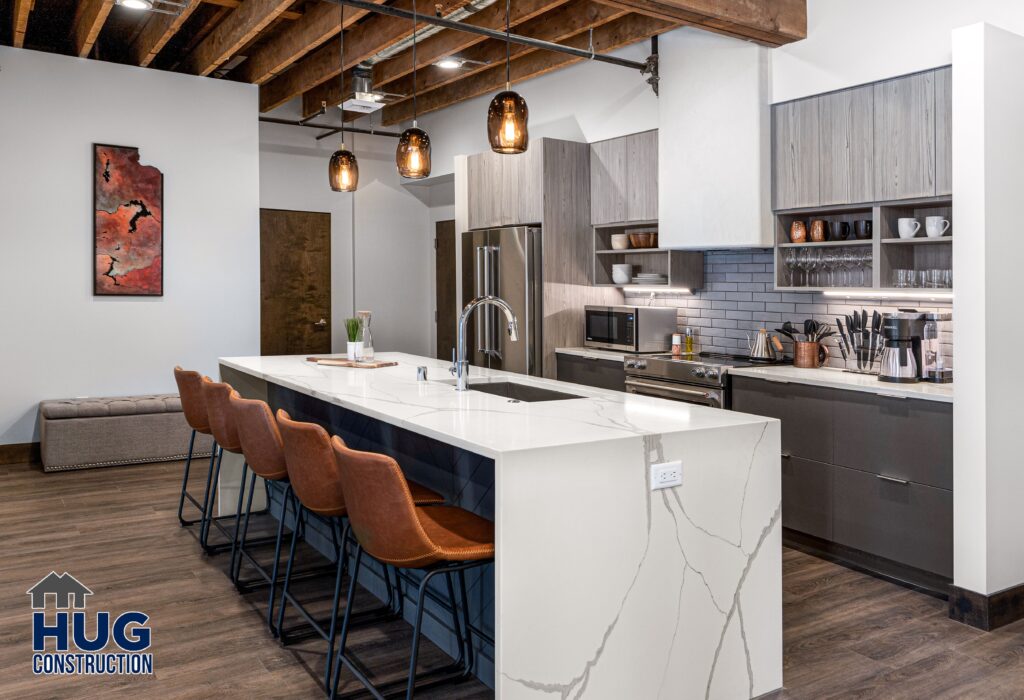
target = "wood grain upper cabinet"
x: 642, y: 176
x: 797, y: 154
x: 505, y: 190
x: 846, y: 138
x: 624, y: 179
x: 944, y: 131
x: 905, y: 137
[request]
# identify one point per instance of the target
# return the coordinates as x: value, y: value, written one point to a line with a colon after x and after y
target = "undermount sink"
x: 515, y: 391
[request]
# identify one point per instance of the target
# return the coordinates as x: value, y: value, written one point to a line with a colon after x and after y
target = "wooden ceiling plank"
x: 233, y: 33
x: 317, y: 26
x: 626, y: 30
x: 235, y: 4
x: 89, y: 19
x: 450, y: 42
x: 22, y: 8
x: 157, y: 31
x: 371, y: 36
x: 567, y: 21
x: 768, y: 22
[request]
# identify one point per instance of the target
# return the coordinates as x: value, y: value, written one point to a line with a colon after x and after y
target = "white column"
x: 988, y: 263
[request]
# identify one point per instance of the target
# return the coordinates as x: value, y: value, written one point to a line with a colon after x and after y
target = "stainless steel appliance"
x: 630, y: 328
x: 506, y: 263
x: 699, y: 379
x: 912, y: 352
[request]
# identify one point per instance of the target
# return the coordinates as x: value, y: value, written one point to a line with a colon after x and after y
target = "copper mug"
x: 809, y: 355
x: 819, y: 230
x: 797, y: 232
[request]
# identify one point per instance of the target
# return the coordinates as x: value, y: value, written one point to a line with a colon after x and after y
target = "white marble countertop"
x: 617, y: 355
x: 483, y: 423
x: 838, y: 379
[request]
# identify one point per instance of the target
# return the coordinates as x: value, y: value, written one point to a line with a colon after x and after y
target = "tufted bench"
x: 100, y: 432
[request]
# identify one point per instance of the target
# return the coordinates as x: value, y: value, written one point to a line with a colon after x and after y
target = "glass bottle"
x: 364, y: 335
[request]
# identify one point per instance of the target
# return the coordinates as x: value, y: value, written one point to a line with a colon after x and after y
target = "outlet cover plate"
x: 666, y: 475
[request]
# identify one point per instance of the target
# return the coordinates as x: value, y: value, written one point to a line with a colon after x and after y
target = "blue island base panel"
x: 464, y: 478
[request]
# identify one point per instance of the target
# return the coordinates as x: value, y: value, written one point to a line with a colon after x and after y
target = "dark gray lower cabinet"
x: 807, y: 496
x: 906, y: 522
x: 805, y: 412
x: 589, y: 371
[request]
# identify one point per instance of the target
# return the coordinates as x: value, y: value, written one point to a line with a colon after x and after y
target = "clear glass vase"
x: 364, y: 335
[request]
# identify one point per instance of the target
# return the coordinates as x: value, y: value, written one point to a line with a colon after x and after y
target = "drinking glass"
x: 849, y: 259
x: 920, y: 278
x: 805, y: 265
x: 829, y: 259
x: 865, y: 262
x: 947, y: 279
x: 789, y: 258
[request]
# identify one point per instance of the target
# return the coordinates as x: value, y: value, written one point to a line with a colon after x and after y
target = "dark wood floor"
x: 847, y: 635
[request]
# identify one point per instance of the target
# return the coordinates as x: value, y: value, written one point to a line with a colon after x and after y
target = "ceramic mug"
x: 819, y: 230
x: 862, y: 229
x: 935, y: 226
x: 841, y: 230
x: 797, y: 232
x: 908, y: 228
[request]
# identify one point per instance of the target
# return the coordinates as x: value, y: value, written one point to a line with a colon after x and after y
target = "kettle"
x: 761, y: 347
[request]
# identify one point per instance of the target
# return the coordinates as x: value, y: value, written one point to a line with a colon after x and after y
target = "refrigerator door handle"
x: 494, y: 341
x: 480, y: 270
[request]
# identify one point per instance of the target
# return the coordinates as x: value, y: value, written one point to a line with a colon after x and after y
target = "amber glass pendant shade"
x: 507, y: 123
x: 343, y: 172
x: 413, y: 154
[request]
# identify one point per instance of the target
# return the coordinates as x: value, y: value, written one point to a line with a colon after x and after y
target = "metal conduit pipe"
x: 398, y: 47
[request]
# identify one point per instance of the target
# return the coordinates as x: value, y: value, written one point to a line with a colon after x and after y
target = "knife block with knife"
x: 860, y: 341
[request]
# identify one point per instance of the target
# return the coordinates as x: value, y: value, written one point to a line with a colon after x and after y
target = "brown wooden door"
x: 444, y: 276
x: 295, y: 282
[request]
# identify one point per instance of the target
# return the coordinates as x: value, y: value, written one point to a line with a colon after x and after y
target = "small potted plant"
x: 355, y: 346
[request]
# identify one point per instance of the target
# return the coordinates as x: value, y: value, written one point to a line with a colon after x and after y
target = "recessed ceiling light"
x: 136, y: 4
x: 449, y: 63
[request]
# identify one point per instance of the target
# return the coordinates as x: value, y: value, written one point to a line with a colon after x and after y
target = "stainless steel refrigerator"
x: 506, y: 262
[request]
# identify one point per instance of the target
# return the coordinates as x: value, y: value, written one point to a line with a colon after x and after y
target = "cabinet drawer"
x: 805, y: 412
x: 905, y: 522
x: 604, y: 374
x: 905, y: 438
x: 807, y: 496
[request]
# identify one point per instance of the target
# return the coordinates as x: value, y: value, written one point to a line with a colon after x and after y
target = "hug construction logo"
x: 75, y: 653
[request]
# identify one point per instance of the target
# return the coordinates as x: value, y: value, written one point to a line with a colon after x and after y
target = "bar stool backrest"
x: 261, y: 440
x: 380, y: 508
x: 222, y: 418
x: 312, y: 471
x: 193, y: 405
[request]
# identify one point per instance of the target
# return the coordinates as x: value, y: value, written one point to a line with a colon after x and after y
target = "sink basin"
x: 520, y: 392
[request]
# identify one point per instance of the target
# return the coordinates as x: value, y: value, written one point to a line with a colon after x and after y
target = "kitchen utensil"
x: 809, y: 355
x: 620, y: 241
x: 783, y: 331
x: 843, y: 336
x: 862, y: 229
x: 760, y: 347
x: 622, y: 273
x: 907, y: 228
x: 776, y: 343
x: 819, y: 231
x: 935, y: 226
x: 797, y: 232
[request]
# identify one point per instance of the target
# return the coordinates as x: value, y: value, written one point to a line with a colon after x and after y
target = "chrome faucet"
x: 460, y: 365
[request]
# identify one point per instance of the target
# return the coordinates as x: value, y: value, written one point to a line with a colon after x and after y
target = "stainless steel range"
x: 700, y: 379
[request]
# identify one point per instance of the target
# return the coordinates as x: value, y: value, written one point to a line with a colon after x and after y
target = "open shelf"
x: 917, y: 241
x: 633, y: 251
x: 684, y: 269
x: 826, y: 244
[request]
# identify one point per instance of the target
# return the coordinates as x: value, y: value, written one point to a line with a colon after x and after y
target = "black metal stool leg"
x: 238, y: 520
x: 468, y: 630
x: 456, y: 621
x: 239, y: 541
x: 211, y: 495
x: 342, y: 555
x: 291, y: 561
x: 417, y: 628
x: 184, y: 482
x: 277, y: 561
x: 332, y: 689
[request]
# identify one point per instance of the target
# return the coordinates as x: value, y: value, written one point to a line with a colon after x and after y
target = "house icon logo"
x: 66, y: 590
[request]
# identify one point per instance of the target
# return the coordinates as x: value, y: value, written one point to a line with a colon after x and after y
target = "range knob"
x: 712, y: 374
x: 698, y: 372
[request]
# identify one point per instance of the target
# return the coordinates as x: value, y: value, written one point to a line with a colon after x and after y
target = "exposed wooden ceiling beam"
x: 157, y: 31
x: 89, y: 18
x: 22, y: 8
x: 768, y: 22
x: 560, y: 24
x: 232, y: 34
x: 449, y: 42
x: 624, y: 31
x: 371, y: 36
x: 235, y: 4
x: 316, y: 26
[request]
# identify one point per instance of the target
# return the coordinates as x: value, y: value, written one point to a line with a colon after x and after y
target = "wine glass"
x: 790, y: 259
x: 829, y: 259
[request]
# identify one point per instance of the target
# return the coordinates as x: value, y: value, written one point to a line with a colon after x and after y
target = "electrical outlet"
x: 666, y: 475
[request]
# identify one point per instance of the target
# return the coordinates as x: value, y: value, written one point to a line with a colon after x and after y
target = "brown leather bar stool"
x: 313, y: 473
x: 193, y: 405
x: 392, y: 528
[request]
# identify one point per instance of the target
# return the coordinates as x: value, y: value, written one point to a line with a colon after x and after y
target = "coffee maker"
x: 912, y: 351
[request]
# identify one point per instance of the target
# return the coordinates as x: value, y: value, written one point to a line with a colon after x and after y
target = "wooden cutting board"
x: 342, y: 362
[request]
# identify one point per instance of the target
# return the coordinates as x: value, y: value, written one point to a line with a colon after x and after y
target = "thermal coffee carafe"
x: 933, y: 362
x: 912, y: 350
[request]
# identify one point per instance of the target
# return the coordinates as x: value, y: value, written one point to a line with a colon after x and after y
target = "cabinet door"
x: 795, y: 154
x: 907, y: 439
x: 944, y: 131
x: 642, y: 176
x: 481, y: 196
x: 605, y: 374
x: 846, y: 121
x: 805, y: 412
x: 608, y: 179
x: 905, y: 522
x: 807, y: 496
x: 905, y: 137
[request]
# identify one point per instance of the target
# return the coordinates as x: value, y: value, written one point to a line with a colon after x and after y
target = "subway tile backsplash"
x: 738, y: 299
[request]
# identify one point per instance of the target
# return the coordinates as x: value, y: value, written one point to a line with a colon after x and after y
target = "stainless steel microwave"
x: 630, y: 328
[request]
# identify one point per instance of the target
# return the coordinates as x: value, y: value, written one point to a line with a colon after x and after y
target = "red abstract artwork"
x: 129, y: 227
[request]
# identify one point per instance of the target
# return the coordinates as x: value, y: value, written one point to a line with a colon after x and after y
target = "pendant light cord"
x: 508, y: 44
x: 341, y: 37
x: 415, y: 21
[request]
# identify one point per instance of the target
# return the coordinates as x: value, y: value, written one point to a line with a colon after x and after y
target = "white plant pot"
x: 355, y: 351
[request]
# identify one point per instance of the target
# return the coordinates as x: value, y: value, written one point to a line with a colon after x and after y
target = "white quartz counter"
x: 483, y: 423
x: 596, y: 353
x: 838, y: 379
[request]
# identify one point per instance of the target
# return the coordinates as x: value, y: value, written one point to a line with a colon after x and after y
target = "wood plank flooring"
x: 847, y: 635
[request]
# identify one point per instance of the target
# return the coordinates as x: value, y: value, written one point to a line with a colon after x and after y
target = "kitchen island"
x: 602, y: 587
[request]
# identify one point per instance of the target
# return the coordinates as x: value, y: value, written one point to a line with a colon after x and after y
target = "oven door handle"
x: 713, y: 398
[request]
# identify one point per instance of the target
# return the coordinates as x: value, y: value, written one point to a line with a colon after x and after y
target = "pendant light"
x: 508, y: 114
x: 343, y: 171
x: 413, y: 154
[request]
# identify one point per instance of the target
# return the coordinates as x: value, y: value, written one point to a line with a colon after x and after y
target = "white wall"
x: 394, y: 271
x: 850, y: 42
x: 58, y: 339
x: 988, y: 146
